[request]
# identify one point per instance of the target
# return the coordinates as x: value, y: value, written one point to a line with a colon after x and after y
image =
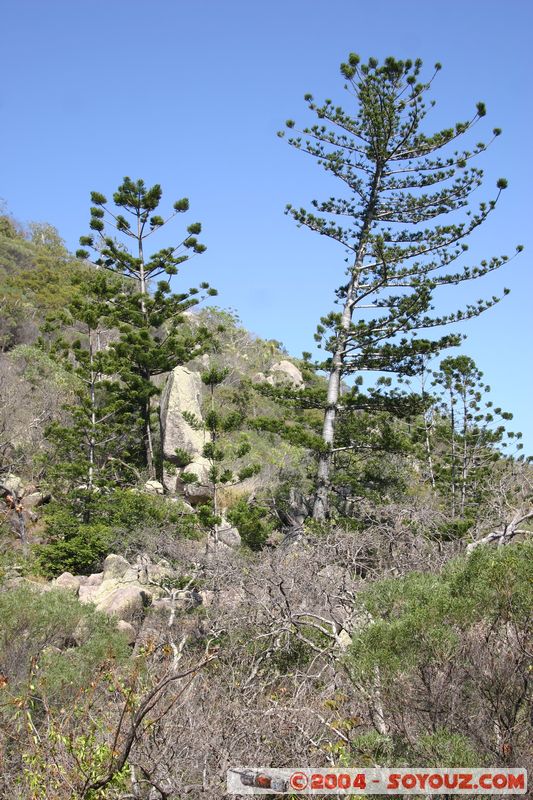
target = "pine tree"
x: 397, y: 224
x: 94, y: 448
x: 153, y: 339
x: 469, y: 432
x: 225, y: 451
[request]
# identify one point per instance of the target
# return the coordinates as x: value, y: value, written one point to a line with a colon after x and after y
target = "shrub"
x: 253, y: 523
x: 37, y: 638
x: 84, y: 529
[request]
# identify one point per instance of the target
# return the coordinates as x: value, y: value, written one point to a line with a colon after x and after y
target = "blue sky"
x: 191, y: 94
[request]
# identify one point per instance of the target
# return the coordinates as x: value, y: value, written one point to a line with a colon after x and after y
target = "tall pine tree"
x: 153, y: 339
x: 397, y: 223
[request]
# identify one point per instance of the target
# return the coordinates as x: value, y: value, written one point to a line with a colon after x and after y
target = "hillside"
x: 164, y: 620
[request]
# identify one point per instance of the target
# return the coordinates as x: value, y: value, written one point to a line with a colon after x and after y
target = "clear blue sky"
x: 191, y: 94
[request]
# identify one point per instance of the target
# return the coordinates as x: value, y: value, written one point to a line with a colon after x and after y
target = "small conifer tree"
x: 149, y: 318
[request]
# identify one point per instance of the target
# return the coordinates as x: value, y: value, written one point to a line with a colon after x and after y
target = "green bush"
x: 72, y: 546
x: 82, y: 530
x: 423, y: 617
x: 435, y: 647
x: 253, y: 523
x: 37, y: 642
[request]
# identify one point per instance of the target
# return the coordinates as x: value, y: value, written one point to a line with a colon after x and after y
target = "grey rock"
x: 207, y: 597
x: 68, y: 582
x: 12, y: 483
x: 115, y: 567
x: 88, y: 593
x: 128, y: 630
x: 182, y: 393
x: 35, y: 499
x: 286, y: 372
x: 200, y: 491
x: 154, y: 487
x: 228, y: 535
x: 125, y: 602
x: 344, y: 639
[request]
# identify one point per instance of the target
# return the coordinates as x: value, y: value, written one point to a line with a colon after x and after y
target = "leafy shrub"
x: 422, y: 616
x: 435, y: 647
x: 37, y: 637
x: 84, y: 529
x: 253, y: 523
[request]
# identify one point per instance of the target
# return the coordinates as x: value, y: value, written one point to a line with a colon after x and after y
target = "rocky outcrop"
x: 228, y: 535
x: 283, y: 372
x: 183, y: 395
x: 12, y: 484
x: 154, y: 487
x: 287, y: 372
x: 122, y: 590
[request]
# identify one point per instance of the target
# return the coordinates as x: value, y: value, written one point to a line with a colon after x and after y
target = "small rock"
x: 344, y: 639
x: 128, y: 630
x: 12, y: 483
x: 88, y: 593
x: 229, y: 535
x: 51, y: 650
x: 115, y: 567
x: 207, y: 597
x: 154, y: 487
x: 160, y: 571
x: 200, y: 491
x: 287, y: 372
x: 82, y: 632
x: 95, y: 579
x: 35, y: 499
x: 68, y: 582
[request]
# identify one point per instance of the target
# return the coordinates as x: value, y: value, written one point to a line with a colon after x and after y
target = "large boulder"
x: 35, y: 500
x: 69, y: 582
x: 154, y: 487
x: 12, y: 484
x: 201, y: 490
x: 228, y: 535
x: 286, y: 372
x: 182, y: 393
x: 115, y: 567
x: 124, y: 590
x: 125, y: 602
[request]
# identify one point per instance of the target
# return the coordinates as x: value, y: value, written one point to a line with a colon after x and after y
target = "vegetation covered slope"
x: 316, y: 570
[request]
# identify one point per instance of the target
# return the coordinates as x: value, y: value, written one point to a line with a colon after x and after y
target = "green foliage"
x: 100, y: 443
x: 252, y: 521
x: 72, y: 546
x: 84, y: 529
x: 150, y: 319
x: 396, y: 221
x: 227, y: 447
x: 91, y: 756
x: 36, y: 275
x: 37, y: 631
x: 466, y: 435
x: 448, y: 657
x: 422, y: 618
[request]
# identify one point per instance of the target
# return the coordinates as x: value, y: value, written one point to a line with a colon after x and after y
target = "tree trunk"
x: 321, y: 500
x: 148, y: 439
x: 92, y: 438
